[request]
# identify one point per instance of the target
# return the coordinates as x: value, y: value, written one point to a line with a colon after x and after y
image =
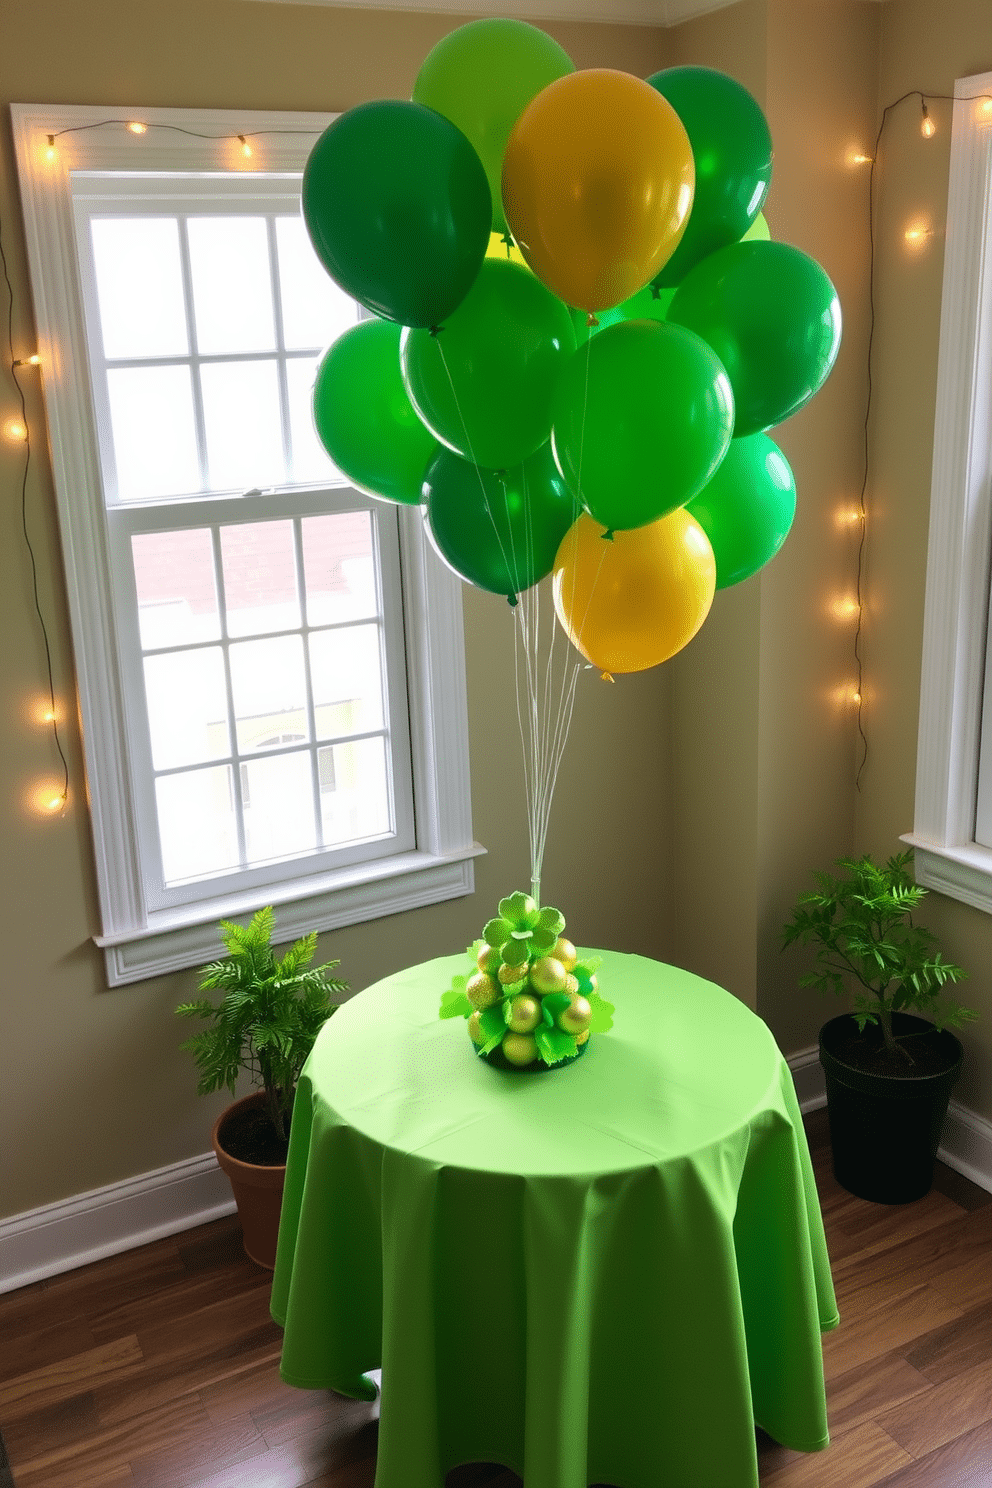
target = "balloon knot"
x: 608, y: 535
x: 511, y: 600
x: 436, y: 330
x: 591, y: 321
x: 608, y: 677
x: 655, y: 292
x: 508, y: 240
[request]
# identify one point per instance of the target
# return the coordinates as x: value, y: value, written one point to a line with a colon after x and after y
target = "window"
x: 952, y: 830
x: 270, y: 662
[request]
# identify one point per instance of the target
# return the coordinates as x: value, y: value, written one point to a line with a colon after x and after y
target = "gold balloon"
x: 598, y: 182
x: 633, y: 601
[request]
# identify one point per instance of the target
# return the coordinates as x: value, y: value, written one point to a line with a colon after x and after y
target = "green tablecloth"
x: 603, y: 1273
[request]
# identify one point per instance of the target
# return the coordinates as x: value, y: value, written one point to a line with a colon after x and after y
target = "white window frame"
x: 138, y: 941
x: 947, y: 856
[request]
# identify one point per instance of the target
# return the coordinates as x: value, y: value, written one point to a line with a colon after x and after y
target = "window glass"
x: 259, y: 563
x: 139, y: 286
x: 175, y: 586
x: 232, y: 284
x: 154, y: 432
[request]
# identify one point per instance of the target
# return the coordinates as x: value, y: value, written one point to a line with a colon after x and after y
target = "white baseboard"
x: 73, y: 1232
x: 966, y: 1141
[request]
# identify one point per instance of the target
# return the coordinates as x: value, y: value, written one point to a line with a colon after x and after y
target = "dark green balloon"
x: 732, y: 150
x: 364, y: 418
x: 747, y: 509
x: 643, y: 416
x: 398, y: 209
x: 773, y: 318
x: 499, y: 531
x: 483, y: 384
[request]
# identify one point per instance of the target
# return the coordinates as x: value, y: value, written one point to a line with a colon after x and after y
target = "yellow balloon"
x: 498, y: 249
x: 633, y: 602
x: 598, y: 181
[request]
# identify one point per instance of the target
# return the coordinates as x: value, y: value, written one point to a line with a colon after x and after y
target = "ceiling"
x: 619, y: 12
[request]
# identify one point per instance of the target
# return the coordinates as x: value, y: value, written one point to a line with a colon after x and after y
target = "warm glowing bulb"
x: 50, y: 152
x: 14, y: 429
x: 848, y: 516
x: 136, y: 127
x: 857, y: 157
x: 46, y: 798
x: 245, y: 147
x: 855, y: 696
x: 927, y: 127
x: 917, y: 234
x: 986, y: 108
x: 845, y: 608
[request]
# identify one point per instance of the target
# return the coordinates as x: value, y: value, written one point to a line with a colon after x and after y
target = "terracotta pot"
x: 257, y: 1190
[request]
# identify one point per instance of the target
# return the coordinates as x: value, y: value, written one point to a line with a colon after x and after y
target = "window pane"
x: 187, y: 707
x: 279, y: 819
x: 177, y: 593
x: 259, y: 565
x: 139, y: 286
x: 310, y: 462
x: 314, y: 310
x: 269, y: 687
x: 243, y: 425
x: 196, y: 823
x: 345, y: 667
x: 338, y: 567
x: 354, y: 795
x: 232, y: 284
x: 151, y: 416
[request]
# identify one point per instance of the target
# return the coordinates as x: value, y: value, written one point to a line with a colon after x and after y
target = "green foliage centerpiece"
x: 531, y: 1004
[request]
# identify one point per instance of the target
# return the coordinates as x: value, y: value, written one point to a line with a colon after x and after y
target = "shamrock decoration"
x: 531, y: 1003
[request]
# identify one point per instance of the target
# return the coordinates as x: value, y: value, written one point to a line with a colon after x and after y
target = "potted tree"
x: 265, y: 1023
x: 889, y: 1071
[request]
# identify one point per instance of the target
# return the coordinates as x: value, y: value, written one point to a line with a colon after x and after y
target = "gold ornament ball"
x: 548, y: 975
x: 475, y: 1031
x: 580, y: 1038
x: 519, y: 1048
x: 481, y: 990
x: 525, y: 1013
x: 565, y: 952
x: 508, y: 975
x: 488, y: 960
x: 572, y: 985
x: 577, y: 1017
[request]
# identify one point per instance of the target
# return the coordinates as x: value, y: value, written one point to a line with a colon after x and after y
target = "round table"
x: 603, y: 1273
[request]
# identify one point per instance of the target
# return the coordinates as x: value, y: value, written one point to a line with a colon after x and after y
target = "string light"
x: 845, y: 608
x: 245, y: 147
x: 136, y: 127
x: 857, y: 157
x: 927, y: 127
x: 50, y: 152
x: 47, y: 797
x: 15, y: 431
x: 31, y: 361
x: 917, y: 234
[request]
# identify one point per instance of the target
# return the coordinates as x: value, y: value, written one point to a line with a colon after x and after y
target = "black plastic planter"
x: 884, y: 1128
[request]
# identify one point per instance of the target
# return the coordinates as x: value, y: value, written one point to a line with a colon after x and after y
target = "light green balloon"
x: 758, y: 231
x: 364, y: 418
x: 482, y: 76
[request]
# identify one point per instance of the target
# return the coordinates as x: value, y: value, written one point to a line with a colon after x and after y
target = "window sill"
x: 176, y: 939
x: 963, y: 872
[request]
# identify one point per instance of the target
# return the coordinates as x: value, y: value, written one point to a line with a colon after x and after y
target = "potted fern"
x: 271, y: 1010
x: 889, y: 1071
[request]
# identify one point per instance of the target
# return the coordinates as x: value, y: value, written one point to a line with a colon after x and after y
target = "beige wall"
x: 94, y: 1087
x: 695, y: 799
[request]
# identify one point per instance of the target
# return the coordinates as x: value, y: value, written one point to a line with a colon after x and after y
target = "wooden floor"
x: 160, y: 1367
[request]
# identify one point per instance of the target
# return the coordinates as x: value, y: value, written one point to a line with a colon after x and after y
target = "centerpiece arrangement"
x: 531, y: 1003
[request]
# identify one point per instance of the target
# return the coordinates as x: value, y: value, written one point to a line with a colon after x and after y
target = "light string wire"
x: 14, y: 363
x: 862, y: 494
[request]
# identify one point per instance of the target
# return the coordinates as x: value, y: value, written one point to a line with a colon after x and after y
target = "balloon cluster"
x: 584, y: 329
x: 531, y: 1003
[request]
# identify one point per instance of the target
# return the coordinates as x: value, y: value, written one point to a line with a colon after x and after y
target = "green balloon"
x: 747, y: 509
x: 398, y: 209
x: 649, y: 303
x: 773, y: 318
x: 364, y: 418
x: 482, y: 76
x: 758, y: 232
x: 502, y: 530
x: 643, y: 417
x: 484, y: 382
x: 732, y: 150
